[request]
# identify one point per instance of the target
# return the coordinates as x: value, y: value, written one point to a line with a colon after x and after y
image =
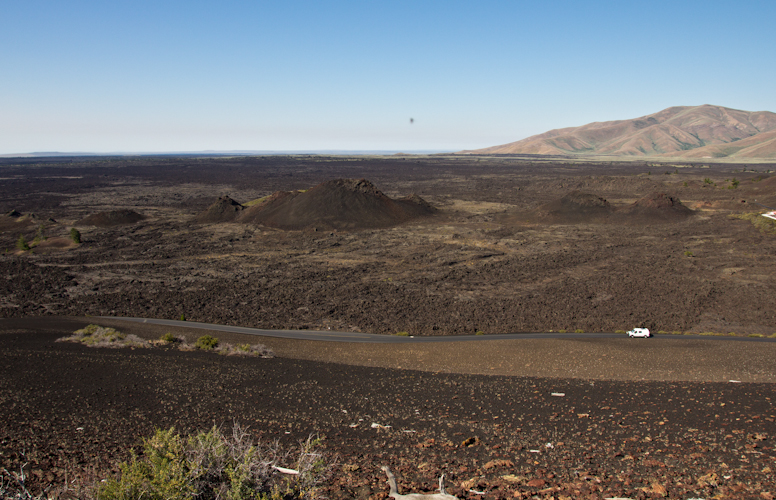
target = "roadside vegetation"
x: 208, y: 465
x: 99, y: 336
x: 763, y: 224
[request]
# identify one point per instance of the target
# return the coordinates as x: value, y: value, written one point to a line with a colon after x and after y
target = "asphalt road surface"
x: 332, y: 336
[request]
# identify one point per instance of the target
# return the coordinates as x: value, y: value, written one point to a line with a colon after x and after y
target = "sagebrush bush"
x: 99, y: 336
x: 763, y: 224
x: 212, y: 465
x: 169, y: 338
x: 22, y: 244
x: 40, y: 235
x: 206, y: 342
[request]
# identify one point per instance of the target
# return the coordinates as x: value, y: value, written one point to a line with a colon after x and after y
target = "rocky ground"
x: 68, y: 408
x: 491, y: 259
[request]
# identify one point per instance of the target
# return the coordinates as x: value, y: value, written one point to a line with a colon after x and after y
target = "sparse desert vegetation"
x: 98, y: 336
x: 206, y: 465
x: 216, y: 465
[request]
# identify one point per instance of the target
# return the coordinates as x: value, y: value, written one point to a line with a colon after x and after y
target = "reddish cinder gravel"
x: 67, y: 407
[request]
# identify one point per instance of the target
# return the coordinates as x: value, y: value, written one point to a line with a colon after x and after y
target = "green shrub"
x: 89, y: 329
x: 479, y: 332
x: 169, y: 338
x: 688, y: 253
x: 561, y: 331
x: 21, y: 244
x: 763, y: 224
x: 99, y: 336
x: 213, y: 465
x: 75, y: 235
x: 108, y: 335
x: 206, y: 342
x: 756, y: 335
x: 39, y: 236
x: 403, y: 334
x: 620, y: 331
x: 579, y: 330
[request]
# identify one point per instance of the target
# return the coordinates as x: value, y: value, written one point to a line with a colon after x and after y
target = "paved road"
x: 331, y: 336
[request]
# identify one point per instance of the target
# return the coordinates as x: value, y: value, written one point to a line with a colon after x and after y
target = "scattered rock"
x: 536, y: 483
x: 496, y: 464
x: 472, y: 441
x: 711, y: 479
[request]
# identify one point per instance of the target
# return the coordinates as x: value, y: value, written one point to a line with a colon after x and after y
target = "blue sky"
x: 314, y: 75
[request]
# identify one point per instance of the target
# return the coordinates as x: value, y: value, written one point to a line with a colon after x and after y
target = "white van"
x: 639, y: 332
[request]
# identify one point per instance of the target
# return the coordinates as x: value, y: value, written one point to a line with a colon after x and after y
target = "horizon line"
x: 218, y: 152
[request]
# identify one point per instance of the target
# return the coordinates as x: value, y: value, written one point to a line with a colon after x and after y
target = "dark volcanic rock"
x: 112, y: 218
x: 337, y: 204
x: 224, y: 209
x: 658, y: 207
x: 577, y: 207
x: 68, y: 408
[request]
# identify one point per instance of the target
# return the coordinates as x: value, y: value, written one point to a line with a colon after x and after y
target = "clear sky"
x: 153, y: 76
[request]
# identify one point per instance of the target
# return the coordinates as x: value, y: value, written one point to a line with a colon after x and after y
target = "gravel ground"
x: 515, y: 431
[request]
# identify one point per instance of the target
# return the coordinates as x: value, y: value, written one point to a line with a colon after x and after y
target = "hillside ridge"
x: 691, y: 131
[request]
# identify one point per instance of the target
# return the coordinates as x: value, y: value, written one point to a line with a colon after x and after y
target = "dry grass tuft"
x: 99, y: 336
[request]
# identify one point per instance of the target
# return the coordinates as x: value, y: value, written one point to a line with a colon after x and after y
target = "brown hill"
x: 112, y: 218
x: 762, y: 145
x: 338, y: 204
x: 676, y: 129
x: 224, y: 209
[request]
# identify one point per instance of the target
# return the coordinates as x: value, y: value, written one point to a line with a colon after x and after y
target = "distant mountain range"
x: 682, y: 131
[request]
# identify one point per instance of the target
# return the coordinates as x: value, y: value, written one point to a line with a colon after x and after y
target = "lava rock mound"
x: 112, y: 218
x: 225, y: 209
x: 342, y: 204
x: 657, y: 207
x: 577, y: 207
